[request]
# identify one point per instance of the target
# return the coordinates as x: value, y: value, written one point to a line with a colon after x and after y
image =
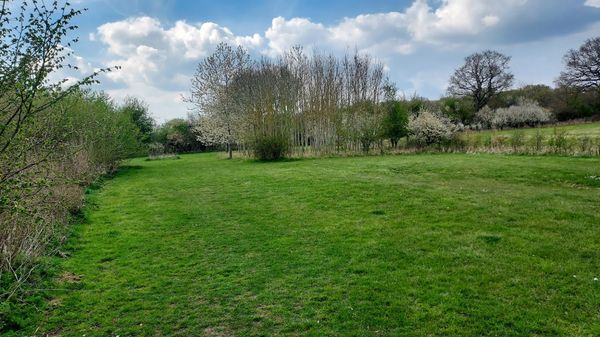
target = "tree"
x: 459, y: 110
x: 211, y: 89
x: 582, y: 67
x: 178, y: 135
x: 482, y: 76
x: 138, y: 112
x: 395, y: 122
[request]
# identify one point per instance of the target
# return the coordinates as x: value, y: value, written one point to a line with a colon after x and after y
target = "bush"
x: 525, y: 113
x: 271, y: 147
x: 517, y: 139
x: 559, y: 141
x: 537, y: 141
x: 428, y: 128
x: 87, y: 137
x: 484, y: 117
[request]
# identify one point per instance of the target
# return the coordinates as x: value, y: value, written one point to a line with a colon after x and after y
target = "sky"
x: 158, y: 44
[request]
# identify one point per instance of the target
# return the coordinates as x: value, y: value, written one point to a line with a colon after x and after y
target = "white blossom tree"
x: 211, y: 93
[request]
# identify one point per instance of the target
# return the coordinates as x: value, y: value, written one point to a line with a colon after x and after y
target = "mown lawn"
x: 410, y: 245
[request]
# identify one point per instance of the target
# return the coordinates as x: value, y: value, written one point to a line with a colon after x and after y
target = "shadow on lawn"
x: 122, y: 171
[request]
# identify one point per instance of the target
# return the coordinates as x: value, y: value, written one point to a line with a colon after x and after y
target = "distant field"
x: 591, y: 130
x: 412, y: 245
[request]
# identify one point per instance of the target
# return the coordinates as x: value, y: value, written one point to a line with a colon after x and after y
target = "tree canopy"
x: 481, y: 77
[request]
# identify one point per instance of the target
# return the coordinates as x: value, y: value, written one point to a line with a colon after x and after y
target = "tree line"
x: 312, y: 103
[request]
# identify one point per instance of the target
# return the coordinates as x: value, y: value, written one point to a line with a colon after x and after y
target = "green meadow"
x: 406, y: 245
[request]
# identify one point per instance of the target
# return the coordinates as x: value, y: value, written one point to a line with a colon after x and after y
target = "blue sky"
x: 158, y: 43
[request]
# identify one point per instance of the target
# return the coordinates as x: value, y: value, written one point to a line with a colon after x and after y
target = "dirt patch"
x: 55, y: 302
x: 68, y: 277
x: 217, y: 332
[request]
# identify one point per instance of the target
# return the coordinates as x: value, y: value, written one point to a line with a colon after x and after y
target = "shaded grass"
x: 413, y: 245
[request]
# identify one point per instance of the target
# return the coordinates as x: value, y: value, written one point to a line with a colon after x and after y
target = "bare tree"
x: 481, y: 77
x: 211, y: 88
x: 582, y: 67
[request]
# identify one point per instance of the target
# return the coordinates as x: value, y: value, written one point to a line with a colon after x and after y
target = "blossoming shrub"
x: 524, y: 113
x: 428, y: 128
x: 484, y: 118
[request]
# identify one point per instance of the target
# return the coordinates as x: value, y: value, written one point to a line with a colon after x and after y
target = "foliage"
x: 39, y: 164
x: 367, y: 124
x: 179, y: 136
x: 428, y: 128
x: 316, y: 101
x: 395, y: 121
x: 212, y: 96
x: 271, y: 147
x: 92, y: 136
x: 524, y: 113
x: 459, y: 110
x: 485, y: 117
x: 138, y: 111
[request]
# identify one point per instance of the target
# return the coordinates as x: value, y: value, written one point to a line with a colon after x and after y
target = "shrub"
x: 484, y: 117
x: 271, y: 147
x: 525, y: 113
x: 428, y: 128
x: 559, y: 142
x: 517, y: 139
x: 537, y: 141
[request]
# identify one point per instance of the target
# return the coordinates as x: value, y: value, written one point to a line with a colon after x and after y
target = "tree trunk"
x: 229, y: 150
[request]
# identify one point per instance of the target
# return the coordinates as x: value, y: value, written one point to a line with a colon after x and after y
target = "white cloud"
x: 592, y: 3
x: 157, y: 60
x: 490, y: 20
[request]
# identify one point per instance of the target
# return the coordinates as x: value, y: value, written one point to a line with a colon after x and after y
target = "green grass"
x: 591, y: 130
x: 413, y: 245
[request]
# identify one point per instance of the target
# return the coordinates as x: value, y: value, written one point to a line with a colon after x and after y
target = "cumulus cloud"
x: 399, y: 32
x: 158, y: 60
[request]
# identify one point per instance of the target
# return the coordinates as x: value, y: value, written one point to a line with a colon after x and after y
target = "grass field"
x: 591, y: 130
x: 413, y: 245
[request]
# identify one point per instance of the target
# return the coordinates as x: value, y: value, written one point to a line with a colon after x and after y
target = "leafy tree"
x: 367, y: 125
x: 416, y: 104
x: 482, y: 76
x: 582, y: 67
x: 138, y: 112
x: 395, y: 122
x: 178, y: 135
x: 458, y: 109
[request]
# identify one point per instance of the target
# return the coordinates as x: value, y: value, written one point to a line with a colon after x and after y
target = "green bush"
x: 559, y: 141
x: 537, y: 141
x: 271, y: 147
x: 517, y: 139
